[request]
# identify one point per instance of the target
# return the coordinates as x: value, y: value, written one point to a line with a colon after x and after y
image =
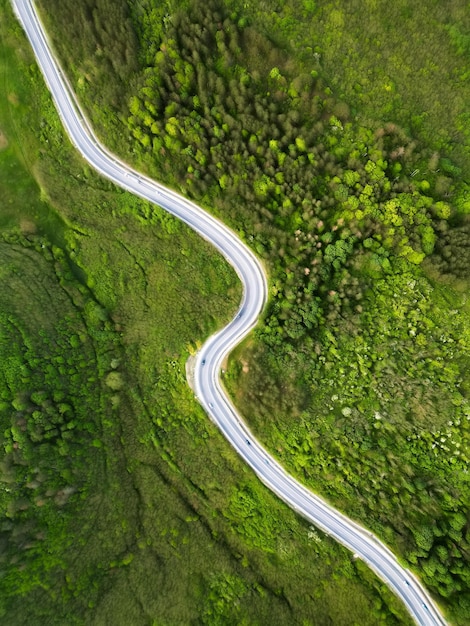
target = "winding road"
x: 207, y: 384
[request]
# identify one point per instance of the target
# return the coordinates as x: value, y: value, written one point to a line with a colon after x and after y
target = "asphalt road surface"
x: 208, y: 388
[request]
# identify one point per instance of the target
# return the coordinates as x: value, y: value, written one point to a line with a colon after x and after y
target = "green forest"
x: 335, y: 142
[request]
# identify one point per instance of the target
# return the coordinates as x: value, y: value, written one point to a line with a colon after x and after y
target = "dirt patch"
x: 190, y: 364
x: 3, y: 140
x: 27, y: 227
x: 13, y: 98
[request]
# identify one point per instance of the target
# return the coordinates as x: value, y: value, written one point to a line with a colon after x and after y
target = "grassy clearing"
x: 163, y: 524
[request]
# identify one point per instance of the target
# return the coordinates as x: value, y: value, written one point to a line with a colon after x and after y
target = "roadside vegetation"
x: 120, y: 502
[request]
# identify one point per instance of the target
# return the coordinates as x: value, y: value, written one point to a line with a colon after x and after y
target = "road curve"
x: 208, y: 387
